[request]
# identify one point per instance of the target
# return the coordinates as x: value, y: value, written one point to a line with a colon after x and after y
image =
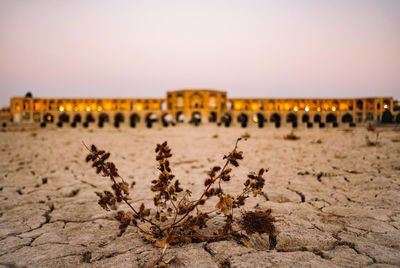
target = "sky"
x: 249, y: 48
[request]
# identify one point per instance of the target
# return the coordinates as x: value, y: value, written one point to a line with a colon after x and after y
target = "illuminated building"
x: 207, y: 105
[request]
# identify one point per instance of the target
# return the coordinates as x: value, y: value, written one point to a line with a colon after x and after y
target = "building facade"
x: 202, y: 105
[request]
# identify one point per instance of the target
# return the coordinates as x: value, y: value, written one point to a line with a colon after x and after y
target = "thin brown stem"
x: 211, y: 211
x: 169, y: 195
x: 124, y: 198
x: 212, y: 182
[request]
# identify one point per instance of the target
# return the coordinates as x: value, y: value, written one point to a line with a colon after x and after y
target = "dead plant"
x: 175, y: 218
x: 291, y: 136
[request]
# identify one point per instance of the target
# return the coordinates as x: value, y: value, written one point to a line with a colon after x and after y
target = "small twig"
x: 209, y: 186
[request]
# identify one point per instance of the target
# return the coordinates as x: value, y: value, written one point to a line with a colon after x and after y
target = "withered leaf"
x: 89, y: 157
x: 105, y: 156
x: 216, y: 168
x: 225, y: 204
x: 238, y: 155
x: 234, y: 162
x: 257, y: 192
x: 161, y: 243
x: 207, y: 182
x: 173, y: 239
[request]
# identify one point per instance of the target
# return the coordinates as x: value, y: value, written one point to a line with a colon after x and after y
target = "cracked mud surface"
x: 337, y: 200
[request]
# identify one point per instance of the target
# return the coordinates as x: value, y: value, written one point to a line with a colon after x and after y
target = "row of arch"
x: 227, y: 119
x: 291, y: 117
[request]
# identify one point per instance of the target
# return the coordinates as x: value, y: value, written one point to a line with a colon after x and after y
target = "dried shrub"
x: 246, y: 136
x: 259, y: 221
x: 291, y: 136
x: 175, y: 218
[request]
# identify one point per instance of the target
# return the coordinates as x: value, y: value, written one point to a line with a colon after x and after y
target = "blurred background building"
x: 200, y: 106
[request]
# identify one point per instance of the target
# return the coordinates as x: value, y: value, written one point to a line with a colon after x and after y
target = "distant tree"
x: 28, y: 95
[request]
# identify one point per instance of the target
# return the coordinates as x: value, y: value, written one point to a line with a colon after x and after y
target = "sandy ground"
x: 336, y: 199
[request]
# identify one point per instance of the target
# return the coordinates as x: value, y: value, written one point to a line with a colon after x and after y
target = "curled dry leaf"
x: 225, y: 204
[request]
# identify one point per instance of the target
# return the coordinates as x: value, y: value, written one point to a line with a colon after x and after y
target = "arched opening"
x: 179, y: 101
x: 64, y: 118
x: 347, y: 118
x: 387, y: 117
x: 134, y: 119
x: 119, y: 118
x: 150, y: 119
x: 77, y: 118
x: 331, y: 118
x: 359, y: 104
x: 89, y: 118
x: 259, y: 119
x: 398, y: 118
x: 243, y: 119
x: 180, y: 117
x: 317, y: 118
x: 275, y: 118
x: 48, y: 118
x: 213, y: 117
x: 305, y: 118
x: 196, y: 118
x: 104, y: 118
x: 226, y: 119
x: 291, y: 118
x: 167, y: 119
x: 212, y: 101
x: 196, y: 101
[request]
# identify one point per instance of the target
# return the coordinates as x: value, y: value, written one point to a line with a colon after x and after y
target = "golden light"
x: 36, y: 106
x: 139, y: 107
x: 61, y: 108
x: 319, y: 109
x: 385, y: 106
x: 254, y: 106
x: 287, y: 106
x: 343, y: 106
x: 68, y: 107
x: 295, y: 108
x: 307, y: 109
x: 333, y: 108
x: 237, y: 106
x: 88, y: 109
x: 48, y: 118
x: 99, y: 108
x: 107, y: 106
x: 255, y: 118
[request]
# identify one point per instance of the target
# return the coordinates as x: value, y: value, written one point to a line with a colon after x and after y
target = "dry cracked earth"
x: 336, y: 199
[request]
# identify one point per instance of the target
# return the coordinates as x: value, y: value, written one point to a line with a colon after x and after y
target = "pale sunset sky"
x: 296, y: 48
